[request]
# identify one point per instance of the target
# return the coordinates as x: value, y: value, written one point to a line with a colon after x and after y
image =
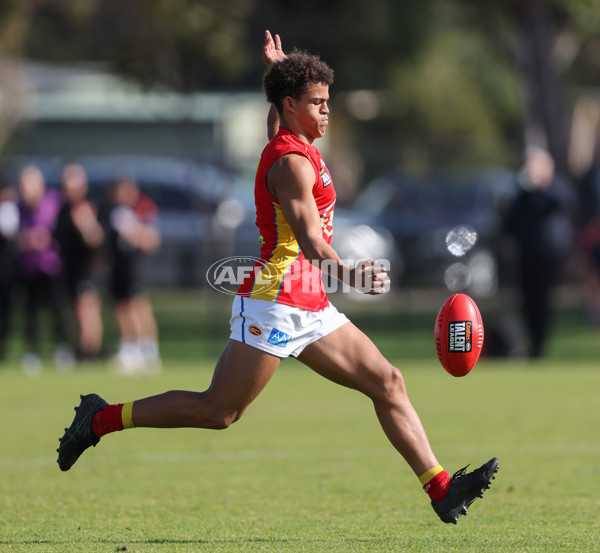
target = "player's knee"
x: 393, y: 384
x: 222, y: 420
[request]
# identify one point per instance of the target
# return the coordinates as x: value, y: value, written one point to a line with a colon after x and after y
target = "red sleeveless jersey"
x: 283, y: 274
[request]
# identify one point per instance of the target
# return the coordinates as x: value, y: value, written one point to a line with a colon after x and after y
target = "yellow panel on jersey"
x: 270, y: 281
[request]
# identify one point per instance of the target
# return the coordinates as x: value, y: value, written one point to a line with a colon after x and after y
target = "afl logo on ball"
x: 254, y: 330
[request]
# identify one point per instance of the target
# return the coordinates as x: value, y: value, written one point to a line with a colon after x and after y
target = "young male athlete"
x: 282, y: 309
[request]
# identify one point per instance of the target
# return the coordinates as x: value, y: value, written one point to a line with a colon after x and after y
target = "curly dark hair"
x: 293, y: 75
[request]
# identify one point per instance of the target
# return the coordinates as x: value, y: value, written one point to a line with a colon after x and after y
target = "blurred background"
x: 433, y: 108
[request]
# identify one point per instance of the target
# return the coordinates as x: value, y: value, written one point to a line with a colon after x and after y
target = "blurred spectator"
x: 9, y: 226
x: 540, y: 222
x: 131, y: 234
x: 589, y: 237
x: 79, y: 235
x: 40, y: 267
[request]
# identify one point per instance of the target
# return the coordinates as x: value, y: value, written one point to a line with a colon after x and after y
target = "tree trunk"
x: 546, y: 120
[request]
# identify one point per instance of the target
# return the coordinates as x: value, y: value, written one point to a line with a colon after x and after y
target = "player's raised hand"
x: 272, y: 51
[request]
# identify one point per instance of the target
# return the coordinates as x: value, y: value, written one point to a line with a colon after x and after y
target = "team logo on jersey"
x: 254, y: 330
x: 324, y: 175
x: 278, y: 338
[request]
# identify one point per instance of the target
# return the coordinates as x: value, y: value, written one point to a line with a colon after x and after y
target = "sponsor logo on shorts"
x: 278, y: 338
x: 459, y: 339
x: 226, y: 275
x: 254, y: 330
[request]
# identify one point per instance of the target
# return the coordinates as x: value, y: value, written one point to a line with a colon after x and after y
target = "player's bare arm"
x: 272, y: 122
x: 291, y: 180
x: 272, y: 53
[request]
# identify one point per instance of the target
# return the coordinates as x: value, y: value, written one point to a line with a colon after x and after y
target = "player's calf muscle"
x: 183, y: 409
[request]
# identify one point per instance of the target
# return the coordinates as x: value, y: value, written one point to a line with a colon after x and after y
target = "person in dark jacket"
x: 79, y: 235
x: 539, y: 220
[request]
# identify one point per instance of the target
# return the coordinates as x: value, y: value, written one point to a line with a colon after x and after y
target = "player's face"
x: 312, y: 111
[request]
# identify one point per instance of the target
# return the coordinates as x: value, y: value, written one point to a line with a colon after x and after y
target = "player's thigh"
x: 240, y: 375
x: 348, y: 357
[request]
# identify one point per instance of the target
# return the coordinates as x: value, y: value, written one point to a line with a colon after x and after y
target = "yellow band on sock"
x: 127, y: 415
x: 424, y: 478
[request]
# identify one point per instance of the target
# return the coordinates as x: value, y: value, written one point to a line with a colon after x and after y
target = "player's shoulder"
x: 285, y: 141
x: 292, y: 166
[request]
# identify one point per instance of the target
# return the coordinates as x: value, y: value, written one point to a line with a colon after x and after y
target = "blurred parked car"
x: 445, y: 226
x: 200, y: 209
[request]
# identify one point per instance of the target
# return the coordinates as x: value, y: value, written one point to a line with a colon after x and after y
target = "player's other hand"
x: 272, y: 52
x: 371, y: 277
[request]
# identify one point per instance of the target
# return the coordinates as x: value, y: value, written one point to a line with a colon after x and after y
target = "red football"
x: 458, y: 334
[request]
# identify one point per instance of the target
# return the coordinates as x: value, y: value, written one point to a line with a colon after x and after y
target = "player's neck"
x: 296, y: 130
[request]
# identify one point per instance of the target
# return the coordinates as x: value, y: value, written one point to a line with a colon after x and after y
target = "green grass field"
x: 307, y: 468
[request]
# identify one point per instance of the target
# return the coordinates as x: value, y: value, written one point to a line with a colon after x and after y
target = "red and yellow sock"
x: 113, y: 418
x: 436, y: 483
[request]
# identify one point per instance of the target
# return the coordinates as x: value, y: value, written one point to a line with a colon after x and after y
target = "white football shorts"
x: 280, y: 329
